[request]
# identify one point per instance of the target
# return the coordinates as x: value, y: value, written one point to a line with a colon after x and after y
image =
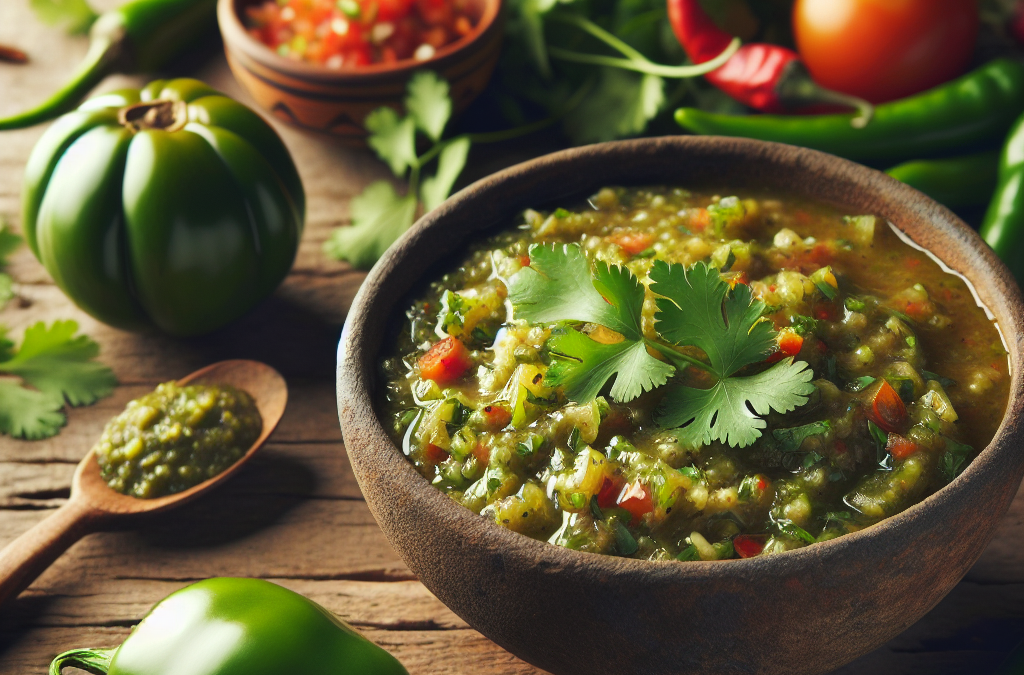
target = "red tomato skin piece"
x: 636, y: 499
x: 748, y: 545
x: 900, y: 447
x: 446, y: 361
x: 887, y: 409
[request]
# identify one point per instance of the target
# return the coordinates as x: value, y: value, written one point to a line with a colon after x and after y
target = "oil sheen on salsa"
x: 176, y: 437
x: 908, y: 381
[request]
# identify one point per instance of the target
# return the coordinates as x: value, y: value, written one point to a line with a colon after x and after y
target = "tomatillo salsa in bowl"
x: 759, y: 360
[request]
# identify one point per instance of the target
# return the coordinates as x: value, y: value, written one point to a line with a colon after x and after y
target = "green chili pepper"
x: 968, y: 180
x: 236, y: 627
x: 140, y: 36
x: 976, y: 108
x: 172, y: 206
x: 1003, y: 226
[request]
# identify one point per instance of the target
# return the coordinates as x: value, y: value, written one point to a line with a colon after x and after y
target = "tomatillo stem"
x: 95, y: 661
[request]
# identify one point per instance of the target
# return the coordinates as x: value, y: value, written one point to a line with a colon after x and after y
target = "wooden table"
x: 295, y: 515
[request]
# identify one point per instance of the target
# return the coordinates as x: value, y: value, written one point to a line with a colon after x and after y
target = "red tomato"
x: 885, y: 49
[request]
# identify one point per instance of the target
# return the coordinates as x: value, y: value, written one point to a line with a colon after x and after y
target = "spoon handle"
x: 26, y: 557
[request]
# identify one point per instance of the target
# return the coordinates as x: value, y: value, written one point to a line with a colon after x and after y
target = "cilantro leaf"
x: 379, y: 217
x: 75, y: 15
x: 558, y: 286
x: 29, y: 414
x: 8, y: 243
x: 435, y: 189
x: 393, y: 138
x: 6, y: 346
x: 792, y: 438
x: 620, y: 105
x: 60, y: 365
x: 582, y: 366
x: 699, y: 310
x: 428, y: 103
x: 729, y: 411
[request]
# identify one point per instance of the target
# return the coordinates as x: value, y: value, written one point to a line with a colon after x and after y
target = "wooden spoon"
x: 94, y: 506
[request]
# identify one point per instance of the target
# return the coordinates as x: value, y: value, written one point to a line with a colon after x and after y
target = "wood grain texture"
x: 294, y: 514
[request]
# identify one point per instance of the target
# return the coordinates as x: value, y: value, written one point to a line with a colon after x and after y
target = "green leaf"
x: 582, y: 366
x: 789, y: 528
x: 60, y: 365
x: 379, y: 217
x: 29, y: 414
x: 6, y: 346
x: 393, y: 138
x: 620, y: 105
x: 558, y: 286
x: 953, y: 460
x: 75, y: 15
x: 428, y: 103
x: 436, y: 189
x: 698, y: 309
x: 723, y: 412
x: 791, y: 439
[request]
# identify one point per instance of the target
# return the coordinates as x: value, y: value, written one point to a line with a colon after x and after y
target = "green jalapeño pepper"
x: 172, y: 206
x: 968, y: 180
x: 976, y: 108
x: 138, y: 36
x: 1003, y: 226
x: 236, y: 627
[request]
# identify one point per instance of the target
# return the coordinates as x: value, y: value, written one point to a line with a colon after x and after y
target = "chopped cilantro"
x: 953, y: 459
x: 860, y: 383
x: 493, y: 484
x: 791, y: 529
x: 803, y: 325
x: 624, y: 541
x: 727, y: 212
x: 944, y: 381
x: 881, y: 440
x: 688, y: 553
x: 791, y: 439
x: 855, y: 304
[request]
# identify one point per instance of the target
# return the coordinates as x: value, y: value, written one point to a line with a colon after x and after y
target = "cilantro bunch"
x: 695, y: 309
x: 379, y: 214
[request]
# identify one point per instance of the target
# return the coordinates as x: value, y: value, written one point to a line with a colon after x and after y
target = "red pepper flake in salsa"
x: 353, y: 33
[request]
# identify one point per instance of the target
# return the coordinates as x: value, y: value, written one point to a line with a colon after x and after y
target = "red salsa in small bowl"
x: 346, y: 34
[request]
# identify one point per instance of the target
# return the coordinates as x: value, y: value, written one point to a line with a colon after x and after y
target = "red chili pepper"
x: 766, y: 77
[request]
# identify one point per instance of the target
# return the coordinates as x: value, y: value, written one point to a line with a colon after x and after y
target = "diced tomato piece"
x: 789, y: 345
x: 435, y: 454
x: 749, y: 545
x: 609, y: 492
x: 524, y: 260
x: 482, y: 454
x: 826, y: 311
x: 700, y: 220
x: 900, y: 447
x: 496, y: 416
x: 446, y: 361
x: 636, y: 499
x: 887, y: 409
x: 633, y: 242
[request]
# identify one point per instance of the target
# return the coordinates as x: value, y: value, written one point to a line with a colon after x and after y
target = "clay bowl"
x: 336, y: 101
x: 803, y: 611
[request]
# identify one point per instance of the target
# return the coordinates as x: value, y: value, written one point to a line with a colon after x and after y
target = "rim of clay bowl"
x: 235, y: 36
x: 494, y: 201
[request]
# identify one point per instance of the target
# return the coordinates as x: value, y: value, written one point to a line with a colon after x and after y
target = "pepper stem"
x: 95, y: 661
x: 163, y: 115
x: 796, y: 88
x: 98, y: 63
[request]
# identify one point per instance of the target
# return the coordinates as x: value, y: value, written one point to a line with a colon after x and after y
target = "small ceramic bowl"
x: 336, y: 101
x: 803, y: 611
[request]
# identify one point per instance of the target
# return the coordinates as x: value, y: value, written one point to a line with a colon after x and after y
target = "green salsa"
x: 176, y: 437
x: 671, y: 374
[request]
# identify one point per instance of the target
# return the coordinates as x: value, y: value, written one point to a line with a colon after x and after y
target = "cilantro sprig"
x: 695, y: 309
x: 59, y: 366
x: 379, y: 214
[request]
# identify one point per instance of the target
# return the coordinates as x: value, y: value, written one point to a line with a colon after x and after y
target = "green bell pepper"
x: 172, y: 206
x: 236, y: 627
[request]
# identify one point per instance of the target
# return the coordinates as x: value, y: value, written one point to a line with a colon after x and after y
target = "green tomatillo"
x: 171, y: 206
x: 236, y: 627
